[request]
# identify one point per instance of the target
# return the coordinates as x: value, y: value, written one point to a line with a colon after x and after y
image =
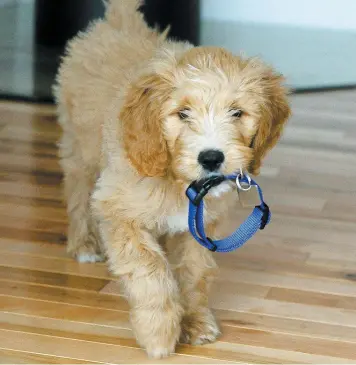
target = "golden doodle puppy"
x: 143, y: 117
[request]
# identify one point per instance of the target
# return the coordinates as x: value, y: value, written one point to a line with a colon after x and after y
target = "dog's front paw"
x: 157, y: 331
x: 199, y: 328
x: 158, y: 347
x: 89, y: 258
x: 159, y: 352
x: 87, y: 254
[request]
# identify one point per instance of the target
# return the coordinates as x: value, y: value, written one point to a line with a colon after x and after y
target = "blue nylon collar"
x: 257, y: 220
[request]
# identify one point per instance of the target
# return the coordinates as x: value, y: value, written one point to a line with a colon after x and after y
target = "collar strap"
x: 257, y: 220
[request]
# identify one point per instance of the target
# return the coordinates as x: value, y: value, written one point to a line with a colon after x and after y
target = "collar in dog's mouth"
x: 206, y: 184
x: 209, y: 182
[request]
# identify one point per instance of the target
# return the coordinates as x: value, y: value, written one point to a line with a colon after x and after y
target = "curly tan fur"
x: 128, y: 155
x: 142, y: 126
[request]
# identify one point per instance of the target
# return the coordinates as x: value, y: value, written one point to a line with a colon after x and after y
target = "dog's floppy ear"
x: 141, y: 118
x: 275, y: 113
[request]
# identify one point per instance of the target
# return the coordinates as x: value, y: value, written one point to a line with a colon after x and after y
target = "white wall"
x: 335, y: 14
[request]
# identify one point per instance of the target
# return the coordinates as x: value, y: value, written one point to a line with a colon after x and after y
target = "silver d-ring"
x: 238, y: 183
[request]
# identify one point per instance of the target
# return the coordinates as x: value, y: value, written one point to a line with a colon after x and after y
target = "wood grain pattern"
x: 22, y: 357
x: 289, y: 296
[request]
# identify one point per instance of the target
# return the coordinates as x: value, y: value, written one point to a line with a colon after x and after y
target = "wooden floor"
x: 288, y: 296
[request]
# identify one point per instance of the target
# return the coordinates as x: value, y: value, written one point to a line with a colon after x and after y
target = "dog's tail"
x: 124, y: 14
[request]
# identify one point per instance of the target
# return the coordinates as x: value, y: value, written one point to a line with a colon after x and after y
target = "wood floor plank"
x: 38, y: 121
x: 33, y: 177
x: 280, y: 324
x: 285, y: 356
x: 312, y: 298
x: 24, y: 211
x: 28, y: 133
x: 267, y: 307
x: 26, y: 190
x: 33, y: 224
x: 320, y: 185
x: 48, y: 148
x: 63, y: 295
x: 302, y: 344
x: 230, y: 336
x: 346, y: 265
x: 118, y: 317
x: 223, y: 350
x: 21, y: 357
x: 31, y: 235
x: 305, y: 228
x: 54, y: 265
x: 335, y: 271
x: 44, y: 150
x: 67, y: 328
x: 116, y: 302
x: 27, y: 108
x: 78, y: 313
x: 31, y: 201
x: 52, y: 279
x: 28, y: 163
x: 96, y: 329
x: 289, y: 282
x: 35, y: 248
x: 84, y: 350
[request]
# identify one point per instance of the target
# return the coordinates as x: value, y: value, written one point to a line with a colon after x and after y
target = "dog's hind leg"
x: 79, y: 179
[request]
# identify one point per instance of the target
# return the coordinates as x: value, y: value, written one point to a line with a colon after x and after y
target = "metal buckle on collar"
x: 243, y: 181
x: 202, y: 187
x: 264, y: 208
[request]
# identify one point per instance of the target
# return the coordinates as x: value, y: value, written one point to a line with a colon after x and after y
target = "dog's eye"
x: 237, y: 113
x: 183, y: 114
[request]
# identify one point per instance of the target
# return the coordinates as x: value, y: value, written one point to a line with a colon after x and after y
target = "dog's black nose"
x: 211, y: 160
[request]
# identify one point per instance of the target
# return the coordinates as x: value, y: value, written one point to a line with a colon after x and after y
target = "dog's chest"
x: 178, y: 221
